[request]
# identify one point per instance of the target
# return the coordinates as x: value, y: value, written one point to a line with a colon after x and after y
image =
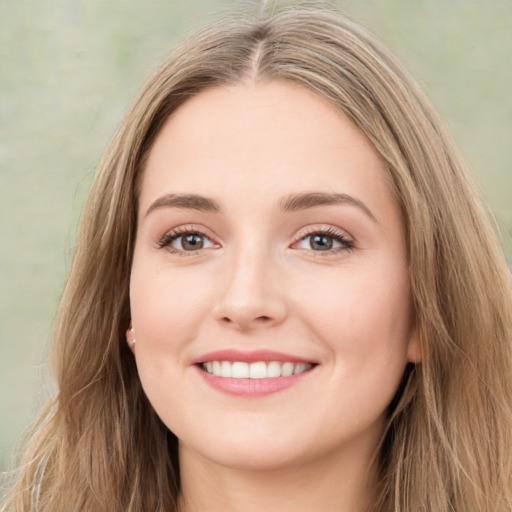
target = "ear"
x: 130, y: 337
x: 414, y: 350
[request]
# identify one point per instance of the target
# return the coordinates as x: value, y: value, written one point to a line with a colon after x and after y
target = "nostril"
x: 260, y: 319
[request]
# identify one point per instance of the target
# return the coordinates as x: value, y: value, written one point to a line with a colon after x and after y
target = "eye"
x: 186, y: 241
x: 327, y: 241
x: 191, y: 242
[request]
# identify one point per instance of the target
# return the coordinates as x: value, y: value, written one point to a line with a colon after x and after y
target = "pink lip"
x: 250, y: 387
x: 249, y: 356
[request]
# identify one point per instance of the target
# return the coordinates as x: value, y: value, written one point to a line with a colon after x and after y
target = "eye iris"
x: 192, y: 242
x: 321, y: 242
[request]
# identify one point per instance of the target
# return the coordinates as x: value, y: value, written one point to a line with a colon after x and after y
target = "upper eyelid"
x: 189, y: 228
x: 322, y: 228
x: 184, y: 229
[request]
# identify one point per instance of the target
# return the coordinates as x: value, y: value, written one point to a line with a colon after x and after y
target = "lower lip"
x: 252, y: 387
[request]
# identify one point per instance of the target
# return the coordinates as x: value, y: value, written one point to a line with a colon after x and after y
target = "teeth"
x: 225, y: 369
x: 259, y: 370
x: 287, y: 369
x: 274, y: 369
x: 238, y: 370
x: 299, y: 368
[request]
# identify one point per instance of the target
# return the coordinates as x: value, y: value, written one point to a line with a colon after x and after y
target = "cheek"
x: 364, y: 303
x: 364, y: 320
x: 160, y: 297
x: 167, y: 309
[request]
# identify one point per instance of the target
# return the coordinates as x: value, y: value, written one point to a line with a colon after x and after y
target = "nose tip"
x: 250, y: 300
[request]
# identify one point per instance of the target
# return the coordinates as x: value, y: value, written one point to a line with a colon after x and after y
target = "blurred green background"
x: 68, y: 70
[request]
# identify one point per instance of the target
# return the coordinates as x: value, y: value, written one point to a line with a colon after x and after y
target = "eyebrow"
x: 296, y: 202
x: 290, y: 203
x: 185, y: 201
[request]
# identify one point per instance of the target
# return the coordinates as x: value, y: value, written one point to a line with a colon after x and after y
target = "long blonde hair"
x: 100, y: 446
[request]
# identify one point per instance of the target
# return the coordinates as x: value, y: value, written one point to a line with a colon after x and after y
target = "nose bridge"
x: 250, y: 296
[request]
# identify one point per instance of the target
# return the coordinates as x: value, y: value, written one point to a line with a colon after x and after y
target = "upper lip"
x: 251, y: 356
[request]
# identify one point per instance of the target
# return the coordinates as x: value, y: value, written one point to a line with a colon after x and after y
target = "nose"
x: 252, y: 295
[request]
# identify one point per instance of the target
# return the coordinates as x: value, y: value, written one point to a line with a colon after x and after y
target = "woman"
x: 285, y: 295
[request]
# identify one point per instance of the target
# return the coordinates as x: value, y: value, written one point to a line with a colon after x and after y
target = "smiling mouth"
x: 256, y: 370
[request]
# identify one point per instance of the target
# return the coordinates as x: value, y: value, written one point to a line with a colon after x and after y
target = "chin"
x: 253, y: 453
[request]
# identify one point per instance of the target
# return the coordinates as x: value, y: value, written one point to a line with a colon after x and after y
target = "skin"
x: 260, y: 282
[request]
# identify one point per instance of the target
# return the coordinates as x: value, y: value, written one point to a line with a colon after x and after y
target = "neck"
x: 333, y: 484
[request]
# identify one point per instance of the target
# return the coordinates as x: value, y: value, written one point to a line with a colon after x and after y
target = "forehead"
x: 261, y: 140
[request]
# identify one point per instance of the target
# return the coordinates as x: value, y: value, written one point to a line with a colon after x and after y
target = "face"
x: 269, y: 291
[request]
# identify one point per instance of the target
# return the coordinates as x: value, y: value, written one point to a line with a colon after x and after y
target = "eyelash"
x: 330, y: 232
x: 175, y: 234
x: 337, y: 235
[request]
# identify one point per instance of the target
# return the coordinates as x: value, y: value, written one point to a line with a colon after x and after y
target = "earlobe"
x: 130, y: 337
x: 414, y: 350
